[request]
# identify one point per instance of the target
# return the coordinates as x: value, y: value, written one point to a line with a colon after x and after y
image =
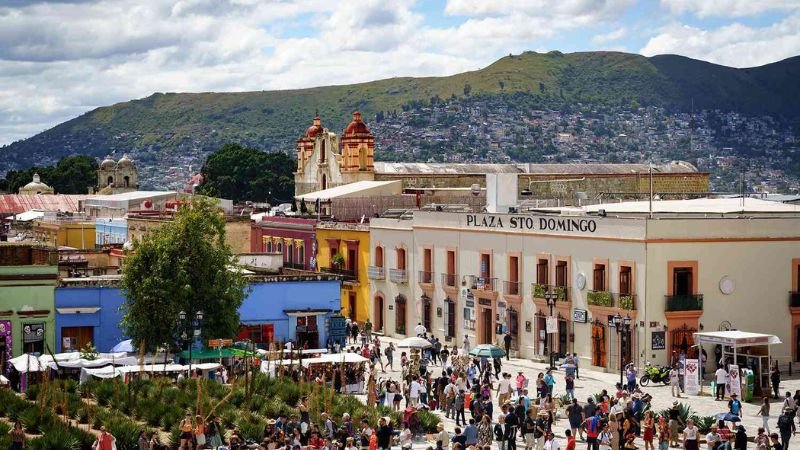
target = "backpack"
x: 785, y: 424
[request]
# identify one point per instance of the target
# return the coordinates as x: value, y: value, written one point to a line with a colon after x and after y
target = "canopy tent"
x: 210, y: 353
x: 336, y: 358
x: 737, y: 340
x: 414, y: 342
x: 113, y: 372
x: 29, y: 363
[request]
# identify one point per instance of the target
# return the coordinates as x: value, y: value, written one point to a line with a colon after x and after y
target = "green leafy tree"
x: 71, y: 175
x: 241, y: 173
x: 184, y: 265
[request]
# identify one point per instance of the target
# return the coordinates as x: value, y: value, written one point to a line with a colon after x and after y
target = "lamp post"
x: 550, y: 297
x: 622, y: 327
x: 195, y: 325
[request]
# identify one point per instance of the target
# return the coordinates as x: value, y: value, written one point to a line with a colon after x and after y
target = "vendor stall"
x: 743, y: 349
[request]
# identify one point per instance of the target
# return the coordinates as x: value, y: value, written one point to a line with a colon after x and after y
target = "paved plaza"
x: 593, y: 381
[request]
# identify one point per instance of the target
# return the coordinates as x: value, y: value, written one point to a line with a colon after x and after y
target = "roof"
x: 395, y: 168
x: 697, y: 206
x: 737, y: 338
x: 357, y: 189
x: 19, y: 203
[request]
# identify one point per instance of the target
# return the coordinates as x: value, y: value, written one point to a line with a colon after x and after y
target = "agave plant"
x: 56, y: 438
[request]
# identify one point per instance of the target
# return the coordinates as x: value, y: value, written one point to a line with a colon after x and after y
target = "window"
x: 261, y: 335
x: 542, y: 271
x: 378, y: 256
x: 352, y: 260
x: 449, y: 318
x: 427, y: 264
x: 301, y: 256
x: 322, y: 156
x: 268, y: 248
x: 561, y: 274
x: 33, y: 338
x: 289, y: 253
x: 400, y: 322
x: 682, y: 281
x: 513, y: 275
x: 486, y: 265
x: 599, y: 277
x: 401, y: 258
x: 625, y: 280
x: 450, y: 276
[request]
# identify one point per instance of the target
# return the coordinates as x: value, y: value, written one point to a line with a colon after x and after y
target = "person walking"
x: 722, y: 378
x: 389, y: 352
x: 775, y: 378
x: 465, y: 345
x: 786, y: 426
x: 485, y: 432
x: 105, y: 441
x: 511, y: 429
x: 764, y: 413
x: 575, y: 360
x: 575, y: 416
x: 459, y: 408
x: 674, y: 381
x: 507, y: 344
x: 690, y: 441
x: 549, y: 381
x: 734, y: 405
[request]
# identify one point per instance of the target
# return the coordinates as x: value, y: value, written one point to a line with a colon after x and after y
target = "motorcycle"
x: 654, y: 374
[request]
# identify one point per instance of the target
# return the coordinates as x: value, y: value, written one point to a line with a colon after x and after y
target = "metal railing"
x: 539, y: 290
x: 482, y: 283
x: 347, y: 274
x: 398, y: 275
x: 600, y: 298
x: 625, y: 301
x: 425, y: 277
x: 692, y: 302
x: 511, y: 287
x: 449, y: 279
x: 376, y: 273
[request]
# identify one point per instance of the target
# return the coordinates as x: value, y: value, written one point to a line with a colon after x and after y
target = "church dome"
x: 124, y: 162
x: 357, y: 126
x: 314, y: 129
x: 36, y: 186
x: 108, y: 164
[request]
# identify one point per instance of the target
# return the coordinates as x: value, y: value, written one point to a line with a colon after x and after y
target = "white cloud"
x: 733, y: 45
x: 728, y: 8
x: 611, y: 36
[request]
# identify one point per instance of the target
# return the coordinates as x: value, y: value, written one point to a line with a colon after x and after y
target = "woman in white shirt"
x: 605, y: 437
x: 690, y: 435
x: 551, y: 443
x: 406, y: 439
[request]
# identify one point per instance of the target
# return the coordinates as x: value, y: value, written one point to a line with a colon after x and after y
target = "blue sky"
x: 60, y: 59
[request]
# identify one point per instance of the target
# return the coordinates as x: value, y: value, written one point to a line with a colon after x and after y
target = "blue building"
x: 110, y: 231
x: 279, y: 308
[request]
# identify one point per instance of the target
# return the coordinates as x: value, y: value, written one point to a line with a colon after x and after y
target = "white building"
x: 684, y: 267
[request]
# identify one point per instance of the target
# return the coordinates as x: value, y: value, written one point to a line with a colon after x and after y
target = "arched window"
x: 378, y: 256
x: 362, y: 158
x: 400, y: 314
x: 126, y: 181
x: 269, y: 246
x: 110, y: 180
x: 324, y: 181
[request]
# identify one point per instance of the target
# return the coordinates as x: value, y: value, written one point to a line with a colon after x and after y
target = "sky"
x: 59, y: 59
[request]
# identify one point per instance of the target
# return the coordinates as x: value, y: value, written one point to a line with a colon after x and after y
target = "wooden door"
x: 78, y: 337
x: 599, y: 345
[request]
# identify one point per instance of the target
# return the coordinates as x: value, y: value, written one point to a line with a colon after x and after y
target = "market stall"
x: 743, y: 349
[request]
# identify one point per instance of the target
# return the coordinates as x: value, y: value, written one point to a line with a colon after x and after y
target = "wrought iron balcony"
x: 425, y: 277
x: 398, y: 275
x: 794, y: 299
x: 539, y: 290
x: 625, y: 301
x: 376, y: 273
x: 600, y: 298
x: 511, y: 287
x: 482, y: 283
x: 684, y: 302
x: 347, y: 274
x: 449, y: 279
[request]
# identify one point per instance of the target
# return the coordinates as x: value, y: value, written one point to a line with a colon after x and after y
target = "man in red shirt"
x: 570, y: 440
x: 316, y: 442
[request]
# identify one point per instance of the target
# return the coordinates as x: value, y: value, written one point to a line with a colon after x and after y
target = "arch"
x: 379, y: 256
x: 362, y: 158
x: 126, y: 181
x: 379, y: 305
x: 400, y: 306
x: 110, y: 180
x: 324, y: 181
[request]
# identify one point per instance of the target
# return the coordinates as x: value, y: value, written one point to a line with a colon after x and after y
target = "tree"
x: 184, y: 265
x: 71, y: 175
x: 240, y: 173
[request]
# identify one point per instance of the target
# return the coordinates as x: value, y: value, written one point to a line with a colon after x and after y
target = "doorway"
x: 563, y: 337
x: 379, y: 313
x: 487, y: 326
x: 75, y: 338
x: 351, y: 305
x: 598, y: 344
x: 307, y: 333
x: 427, y: 315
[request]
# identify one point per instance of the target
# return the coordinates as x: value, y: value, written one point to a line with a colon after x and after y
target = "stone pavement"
x: 593, y: 381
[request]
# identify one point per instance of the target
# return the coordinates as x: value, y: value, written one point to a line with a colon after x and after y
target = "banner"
x: 691, y: 378
x: 552, y: 325
x: 734, y: 385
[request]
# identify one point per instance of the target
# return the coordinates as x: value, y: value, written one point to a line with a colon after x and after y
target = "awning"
x: 79, y: 310
x: 307, y: 312
x: 736, y: 338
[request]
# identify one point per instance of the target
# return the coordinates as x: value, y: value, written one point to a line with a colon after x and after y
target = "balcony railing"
x: 794, y: 299
x: 684, y: 302
x: 539, y: 290
x: 425, y: 277
x: 600, y: 298
x: 347, y: 274
x: 398, y: 275
x: 376, y: 273
x: 511, y: 287
x: 482, y: 283
x: 449, y: 279
x: 625, y: 301
x: 294, y: 265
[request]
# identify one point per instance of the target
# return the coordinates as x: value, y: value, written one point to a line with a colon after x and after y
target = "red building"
x: 293, y: 237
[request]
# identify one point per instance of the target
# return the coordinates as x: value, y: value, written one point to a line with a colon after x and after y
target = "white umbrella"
x: 414, y: 342
x: 124, y: 346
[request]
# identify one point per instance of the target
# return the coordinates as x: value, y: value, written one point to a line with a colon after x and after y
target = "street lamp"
x: 550, y: 297
x: 196, y: 325
x: 622, y: 327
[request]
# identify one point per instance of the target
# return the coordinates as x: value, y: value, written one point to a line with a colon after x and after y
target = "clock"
x: 727, y: 285
x: 581, y: 281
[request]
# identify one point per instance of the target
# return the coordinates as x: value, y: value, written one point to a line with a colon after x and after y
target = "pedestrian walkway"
x: 593, y: 382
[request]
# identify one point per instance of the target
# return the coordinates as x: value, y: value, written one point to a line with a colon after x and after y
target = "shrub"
x: 56, y: 438
x: 126, y: 432
x: 428, y: 421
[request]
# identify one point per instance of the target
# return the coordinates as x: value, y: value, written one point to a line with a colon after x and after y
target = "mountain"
x: 163, y: 127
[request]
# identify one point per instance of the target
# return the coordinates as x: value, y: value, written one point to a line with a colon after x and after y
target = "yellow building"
x: 343, y: 248
x: 64, y: 229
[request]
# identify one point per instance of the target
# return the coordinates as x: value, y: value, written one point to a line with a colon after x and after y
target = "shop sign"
x: 530, y: 223
x: 691, y: 378
x: 485, y: 302
x: 33, y: 332
x: 658, y: 340
x: 552, y: 325
x: 579, y: 315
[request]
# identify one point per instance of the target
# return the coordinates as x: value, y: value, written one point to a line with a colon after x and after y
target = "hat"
x: 675, y: 403
x: 271, y: 422
x: 387, y: 419
x: 440, y: 426
x: 734, y: 394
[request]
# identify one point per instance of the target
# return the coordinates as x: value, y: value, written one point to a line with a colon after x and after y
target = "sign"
x: 484, y: 302
x: 552, y: 325
x: 658, y: 340
x: 734, y: 385
x: 66, y: 343
x: 391, y: 307
x: 470, y: 303
x: 216, y: 343
x: 691, y: 378
x: 33, y: 332
x: 579, y: 315
x: 531, y: 223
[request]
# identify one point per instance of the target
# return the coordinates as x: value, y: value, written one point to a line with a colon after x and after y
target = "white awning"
x: 79, y: 310
x: 736, y: 338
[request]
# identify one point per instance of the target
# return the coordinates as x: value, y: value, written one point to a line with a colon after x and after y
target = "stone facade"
x: 117, y: 177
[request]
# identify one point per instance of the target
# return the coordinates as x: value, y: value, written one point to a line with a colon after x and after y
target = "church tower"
x: 358, y: 147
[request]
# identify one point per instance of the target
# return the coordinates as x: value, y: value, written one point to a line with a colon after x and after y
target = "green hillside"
x: 172, y: 123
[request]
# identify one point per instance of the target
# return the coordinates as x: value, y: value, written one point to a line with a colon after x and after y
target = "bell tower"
x: 358, y: 147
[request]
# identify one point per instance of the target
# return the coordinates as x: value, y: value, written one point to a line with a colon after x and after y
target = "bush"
x: 428, y: 421
x: 126, y: 432
x: 56, y: 438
